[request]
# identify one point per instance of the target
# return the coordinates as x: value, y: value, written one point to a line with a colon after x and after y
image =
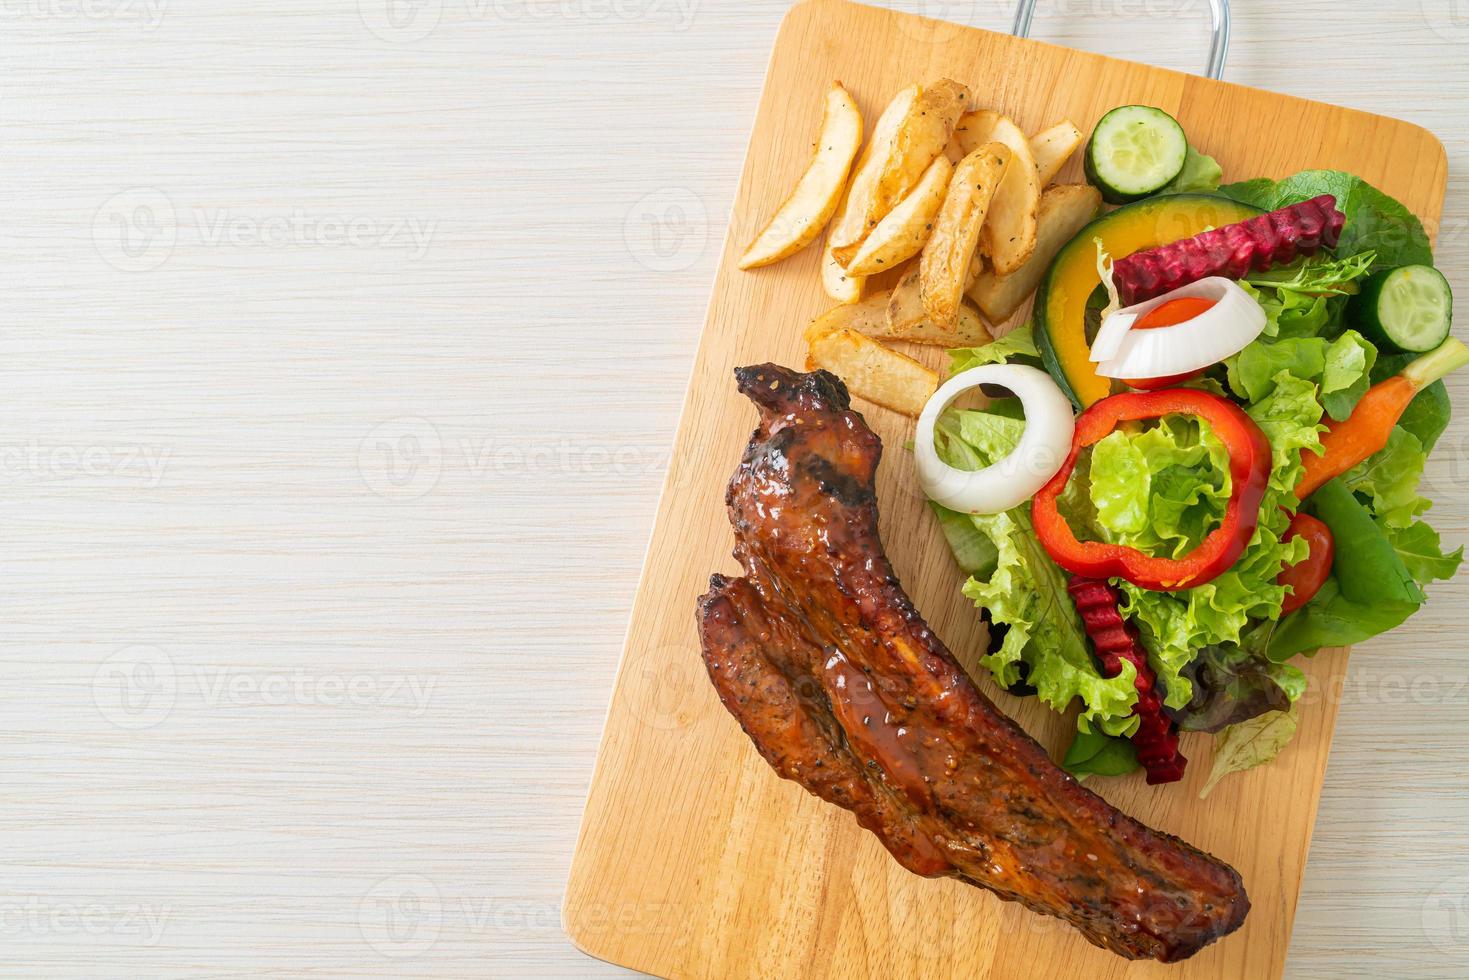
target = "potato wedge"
x: 976, y: 266
x: 905, y: 301
x: 1065, y: 209
x: 868, y: 316
x: 944, y: 265
x: 1009, y: 232
x: 971, y: 331
x: 1052, y: 148
x: 871, y: 318
x: 921, y: 137
x: 902, y: 234
x: 873, y: 372
x: 836, y: 283
x: 964, y: 142
x: 813, y: 201
x: 907, y: 320
x: 974, y: 128
x: 850, y: 221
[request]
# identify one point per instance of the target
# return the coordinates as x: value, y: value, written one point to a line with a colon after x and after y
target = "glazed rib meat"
x: 821, y: 657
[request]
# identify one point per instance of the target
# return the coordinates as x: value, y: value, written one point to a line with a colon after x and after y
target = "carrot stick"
x: 1366, y: 430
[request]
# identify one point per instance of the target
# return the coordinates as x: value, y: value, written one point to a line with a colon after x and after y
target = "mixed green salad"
x: 1315, y: 566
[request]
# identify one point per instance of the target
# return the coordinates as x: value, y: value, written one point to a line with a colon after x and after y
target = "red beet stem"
x: 1277, y: 238
x: 1116, y: 640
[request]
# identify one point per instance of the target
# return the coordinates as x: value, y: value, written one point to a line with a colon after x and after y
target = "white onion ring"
x: 1043, y: 447
x: 1225, y: 328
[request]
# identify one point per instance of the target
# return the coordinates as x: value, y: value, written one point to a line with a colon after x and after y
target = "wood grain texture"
x: 548, y: 343
x: 732, y: 872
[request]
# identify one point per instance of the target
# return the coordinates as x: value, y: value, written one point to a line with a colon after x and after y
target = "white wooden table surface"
x: 341, y: 347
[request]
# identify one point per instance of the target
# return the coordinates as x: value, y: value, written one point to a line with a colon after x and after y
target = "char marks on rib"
x: 821, y: 657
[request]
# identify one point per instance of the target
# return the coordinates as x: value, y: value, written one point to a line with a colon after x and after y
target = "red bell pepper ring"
x: 1249, y: 470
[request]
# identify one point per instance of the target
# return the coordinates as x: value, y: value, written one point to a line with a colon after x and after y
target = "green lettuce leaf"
x: 1341, y: 367
x: 1200, y: 173
x: 1290, y: 417
x: 1250, y: 744
x: 1252, y: 371
x: 1289, y: 313
x: 1389, y: 478
x: 1419, y: 549
x: 1045, y: 645
x: 1347, y: 373
x: 1319, y: 274
x: 1160, y: 490
x: 1016, y: 347
x: 990, y: 437
x: 1252, y: 191
x: 1094, y: 754
x: 1306, y: 298
x: 973, y: 549
x: 1175, y: 625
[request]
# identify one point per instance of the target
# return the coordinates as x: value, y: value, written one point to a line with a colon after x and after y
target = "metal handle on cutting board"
x: 1218, y: 47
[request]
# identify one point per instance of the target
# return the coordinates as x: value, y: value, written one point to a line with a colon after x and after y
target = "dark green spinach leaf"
x: 1099, y: 755
x: 1367, y: 567
x: 1333, y: 620
x: 1374, y: 220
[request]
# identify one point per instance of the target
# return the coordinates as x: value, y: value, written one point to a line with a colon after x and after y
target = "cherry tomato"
x: 1174, y: 312
x: 1169, y: 314
x: 1308, y: 575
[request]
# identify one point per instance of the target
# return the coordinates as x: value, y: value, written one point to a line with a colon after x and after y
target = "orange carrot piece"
x: 1366, y: 430
x: 1359, y: 435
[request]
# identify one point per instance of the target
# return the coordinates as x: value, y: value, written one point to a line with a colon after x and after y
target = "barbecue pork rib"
x: 821, y: 657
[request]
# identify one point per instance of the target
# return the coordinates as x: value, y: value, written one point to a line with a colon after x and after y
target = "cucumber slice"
x: 1136, y: 150
x: 1408, y: 309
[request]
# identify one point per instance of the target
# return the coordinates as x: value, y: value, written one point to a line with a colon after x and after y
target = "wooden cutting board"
x: 694, y: 859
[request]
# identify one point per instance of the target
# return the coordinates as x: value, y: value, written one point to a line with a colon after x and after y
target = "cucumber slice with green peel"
x: 1136, y: 150
x: 1409, y: 309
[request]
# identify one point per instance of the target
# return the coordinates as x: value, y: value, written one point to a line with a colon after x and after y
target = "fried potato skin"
x: 813, y: 201
x: 945, y: 263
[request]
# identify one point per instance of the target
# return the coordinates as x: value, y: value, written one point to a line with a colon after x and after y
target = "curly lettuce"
x: 1251, y: 743
x: 1346, y: 375
x: 1389, y: 479
x: 1011, y: 575
x: 1016, y: 347
x: 1160, y: 490
x: 1419, y: 549
x: 1183, y: 453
